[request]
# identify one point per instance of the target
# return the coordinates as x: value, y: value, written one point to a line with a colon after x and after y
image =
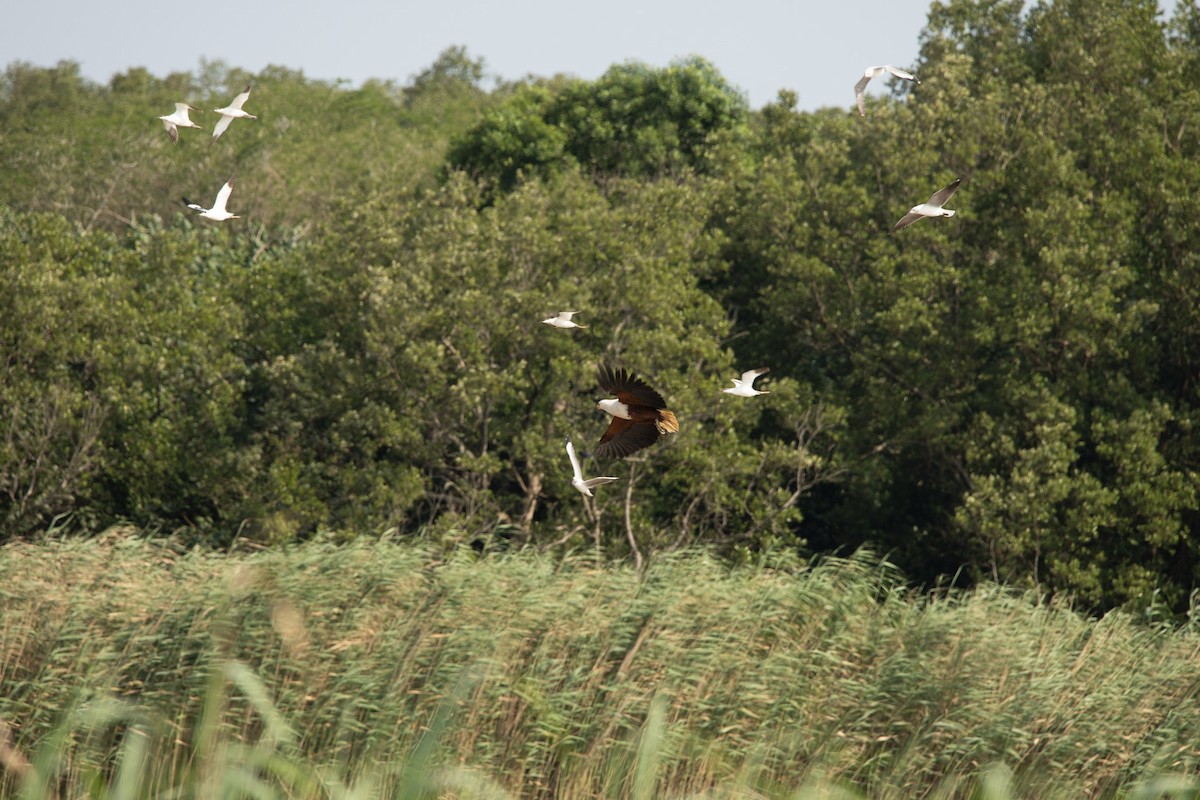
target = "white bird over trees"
x: 563, y: 320
x: 930, y: 208
x: 744, y: 387
x: 217, y: 212
x: 584, y: 486
x: 871, y: 72
x: 231, y: 112
x: 179, y: 119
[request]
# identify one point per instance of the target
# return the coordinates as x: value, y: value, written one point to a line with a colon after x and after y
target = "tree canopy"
x: 1008, y: 394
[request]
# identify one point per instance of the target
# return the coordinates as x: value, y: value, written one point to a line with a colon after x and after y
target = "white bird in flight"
x: 217, y: 212
x: 584, y: 487
x: 178, y: 120
x: 563, y: 320
x: 232, y: 111
x: 871, y: 72
x: 930, y: 208
x: 744, y: 387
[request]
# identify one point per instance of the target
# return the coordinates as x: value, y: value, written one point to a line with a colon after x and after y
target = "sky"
x: 818, y: 49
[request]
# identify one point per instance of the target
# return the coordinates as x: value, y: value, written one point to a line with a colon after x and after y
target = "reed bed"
x: 131, y: 668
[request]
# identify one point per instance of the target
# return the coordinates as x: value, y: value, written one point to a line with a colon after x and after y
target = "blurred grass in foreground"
x: 130, y: 669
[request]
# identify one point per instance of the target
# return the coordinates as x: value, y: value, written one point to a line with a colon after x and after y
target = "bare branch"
x: 637, y: 553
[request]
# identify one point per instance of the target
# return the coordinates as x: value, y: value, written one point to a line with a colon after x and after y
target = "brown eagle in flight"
x: 639, y: 414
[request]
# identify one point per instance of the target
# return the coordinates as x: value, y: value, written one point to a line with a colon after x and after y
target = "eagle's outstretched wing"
x: 629, y: 389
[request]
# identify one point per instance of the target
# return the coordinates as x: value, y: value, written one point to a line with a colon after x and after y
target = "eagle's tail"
x: 666, y: 422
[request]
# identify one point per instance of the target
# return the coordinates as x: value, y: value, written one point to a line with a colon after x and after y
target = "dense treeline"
x: 1011, y: 393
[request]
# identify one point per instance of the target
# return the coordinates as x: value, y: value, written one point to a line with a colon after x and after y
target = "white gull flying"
x: 744, y: 387
x: 231, y: 112
x: 217, y: 212
x: 584, y: 487
x: 563, y: 320
x: 180, y: 119
x: 871, y: 72
x: 930, y: 208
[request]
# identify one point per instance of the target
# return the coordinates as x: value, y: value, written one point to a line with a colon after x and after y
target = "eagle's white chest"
x: 614, y: 408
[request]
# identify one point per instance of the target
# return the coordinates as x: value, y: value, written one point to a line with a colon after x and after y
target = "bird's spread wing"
x: 190, y: 204
x: 940, y: 197
x: 182, y: 109
x: 223, y: 196
x: 221, y: 125
x: 629, y: 389
x: 906, y: 220
x: 241, y: 98
x: 592, y: 483
x: 574, y: 461
x: 172, y: 131
x: 749, y: 375
x: 616, y: 426
x: 625, y: 437
x: 859, y: 88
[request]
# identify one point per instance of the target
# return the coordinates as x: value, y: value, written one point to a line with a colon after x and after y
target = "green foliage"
x: 1008, y: 394
x: 512, y: 140
x: 1000, y: 372
x: 59, y: 306
x: 99, y: 155
x: 635, y: 121
x: 377, y: 669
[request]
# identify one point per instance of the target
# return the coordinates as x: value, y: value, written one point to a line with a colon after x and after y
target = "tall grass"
x: 130, y: 669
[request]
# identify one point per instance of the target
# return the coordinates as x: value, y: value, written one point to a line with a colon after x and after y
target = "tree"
x: 1000, y: 374
x: 634, y: 121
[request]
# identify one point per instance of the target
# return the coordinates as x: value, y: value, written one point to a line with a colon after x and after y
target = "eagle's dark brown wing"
x: 625, y: 437
x: 629, y: 389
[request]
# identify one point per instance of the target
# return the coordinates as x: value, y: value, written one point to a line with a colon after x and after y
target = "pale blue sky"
x: 819, y: 49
